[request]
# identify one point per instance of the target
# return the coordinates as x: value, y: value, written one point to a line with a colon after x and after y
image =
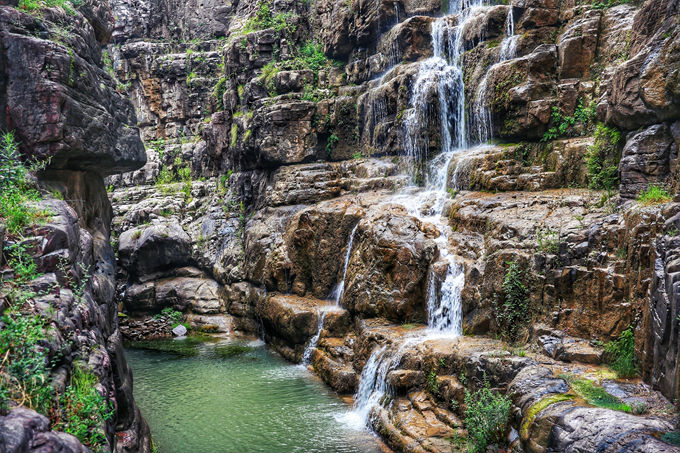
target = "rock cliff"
x: 341, y: 177
x: 65, y: 112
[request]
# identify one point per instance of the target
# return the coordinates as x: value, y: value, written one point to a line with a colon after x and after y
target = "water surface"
x: 216, y: 398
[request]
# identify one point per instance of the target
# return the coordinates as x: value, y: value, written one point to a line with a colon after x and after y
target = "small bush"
x: 654, y: 195
x: 218, y: 93
x: 83, y: 410
x: 511, y: 309
x: 170, y: 314
x: 23, y: 370
x: 548, y: 241
x: 603, y: 157
x: 487, y: 417
x: 15, y: 192
x: 621, y: 353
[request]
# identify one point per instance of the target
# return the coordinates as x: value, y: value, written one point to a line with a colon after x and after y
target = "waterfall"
x: 509, y: 44
x: 340, y: 287
x: 444, y: 307
x: 441, y: 74
x: 307, y: 355
x: 481, y: 116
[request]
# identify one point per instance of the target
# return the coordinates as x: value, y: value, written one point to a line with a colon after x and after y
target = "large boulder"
x: 388, y: 266
x: 26, y: 431
x: 146, y: 252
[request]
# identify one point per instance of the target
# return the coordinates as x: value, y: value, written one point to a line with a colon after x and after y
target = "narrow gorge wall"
x: 64, y: 110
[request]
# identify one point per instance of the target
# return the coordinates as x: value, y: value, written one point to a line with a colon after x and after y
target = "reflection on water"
x: 225, y: 397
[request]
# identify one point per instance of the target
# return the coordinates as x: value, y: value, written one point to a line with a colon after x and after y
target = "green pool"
x: 202, y: 397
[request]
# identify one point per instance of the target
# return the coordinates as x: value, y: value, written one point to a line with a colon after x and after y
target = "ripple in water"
x: 250, y: 402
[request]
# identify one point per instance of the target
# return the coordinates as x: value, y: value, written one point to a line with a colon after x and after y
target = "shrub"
x: 83, y: 410
x: 562, y: 125
x: 654, y: 194
x: 512, y: 309
x: 23, y: 370
x: 218, y: 93
x: 548, y: 241
x: 331, y: 143
x: 602, y: 158
x: 487, y: 416
x: 621, y: 353
x: 15, y: 192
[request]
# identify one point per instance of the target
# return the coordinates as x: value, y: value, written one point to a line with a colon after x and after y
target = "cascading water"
x: 442, y: 73
x: 340, y: 288
x: 509, y: 44
x: 307, y: 355
x: 481, y: 116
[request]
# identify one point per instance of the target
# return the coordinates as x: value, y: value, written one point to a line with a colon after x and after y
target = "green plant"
x: 511, y: 308
x: 621, y: 354
x: 218, y: 93
x: 233, y: 140
x: 433, y: 383
x: 23, y: 366
x: 331, y: 144
x: 170, y: 314
x: 83, y: 411
x: 672, y: 437
x: 487, y: 418
x: 548, y: 241
x: 654, y: 194
x: 602, y: 158
x: 562, y: 125
x: 15, y: 192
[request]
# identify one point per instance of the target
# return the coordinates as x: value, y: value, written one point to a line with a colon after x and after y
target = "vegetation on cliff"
x: 26, y: 361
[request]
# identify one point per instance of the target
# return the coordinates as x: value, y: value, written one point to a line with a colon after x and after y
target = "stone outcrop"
x: 65, y: 111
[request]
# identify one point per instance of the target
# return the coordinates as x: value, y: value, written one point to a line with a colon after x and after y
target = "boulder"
x: 148, y: 251
x: 179, y: 331
x: 26, y: 431
x: 387, y: 270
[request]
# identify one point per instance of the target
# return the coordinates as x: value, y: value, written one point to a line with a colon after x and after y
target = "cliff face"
x: 277, y: 135
x: 64, y: 110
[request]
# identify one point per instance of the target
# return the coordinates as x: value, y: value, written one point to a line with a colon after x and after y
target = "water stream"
x: 440, y: 77
x: 226, y: 397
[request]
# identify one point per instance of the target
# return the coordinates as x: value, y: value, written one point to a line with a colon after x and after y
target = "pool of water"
x: 204, y: 397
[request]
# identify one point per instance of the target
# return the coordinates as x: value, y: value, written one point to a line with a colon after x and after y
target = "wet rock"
x: 577, y: 47
x: 289, y: 321
x: 387, y: 271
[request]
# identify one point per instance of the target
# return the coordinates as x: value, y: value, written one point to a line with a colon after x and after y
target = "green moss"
x: 232, y: 350
x: 672, y: 438
x: 218, y: 93
x: 233, y: 135
x: 536, y: 408
x: 186, y: 347
x: 594, y: 394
